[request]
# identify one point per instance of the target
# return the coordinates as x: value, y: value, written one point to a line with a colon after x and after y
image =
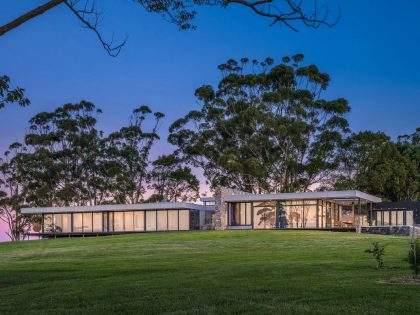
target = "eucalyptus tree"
x: 265, y: 128
x: 371, y: 162
x: 64, y: 156
x: 12, y: 192
x: 128, y: 155
x: 11, y: 96
x: 173, y: 181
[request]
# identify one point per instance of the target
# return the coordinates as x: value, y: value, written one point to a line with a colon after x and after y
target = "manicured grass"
x: 231, y: 272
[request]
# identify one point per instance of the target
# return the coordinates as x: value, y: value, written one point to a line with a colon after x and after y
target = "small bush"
x: 414, y: 256
x: 378, y: 251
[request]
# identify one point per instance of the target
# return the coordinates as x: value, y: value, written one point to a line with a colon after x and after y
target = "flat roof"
x: 119, y: 207
x: 343, y: 194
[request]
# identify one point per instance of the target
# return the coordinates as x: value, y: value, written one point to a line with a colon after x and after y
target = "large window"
x: 409, y: 218
x: 184, y: 219
x: 97, y: 222
x: 173, y: 220
x: 61, y: 223
x: 162, y: 220
x: 118, y: 221
x: 240, y: 213
x: 386, y: 218
x: 77, y: 222
x: 138, y: 220
x: 150, y: 220
x: 48, y: 223
x: 128, y: 221
x: 87, y: 222
x: 265, y: 215
x: 299, y: 214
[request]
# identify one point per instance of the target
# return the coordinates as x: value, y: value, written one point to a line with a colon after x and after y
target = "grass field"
x: 231, y: 272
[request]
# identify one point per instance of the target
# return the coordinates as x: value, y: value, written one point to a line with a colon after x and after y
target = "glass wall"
x: 172, y: 220
x: 97, y: 222
x: 87, y: 222
x: 296, y: 214
x: 162, y: 220
x: 392, y: 217
x: 184, y: 220
x: 77, y: 222
x: 57, y: 223
x: 300, y: 213
x: 128, y: 221
x: 138, y: 221
x: 239, y: 213
x: 265, y: 215
x: 121, y: 221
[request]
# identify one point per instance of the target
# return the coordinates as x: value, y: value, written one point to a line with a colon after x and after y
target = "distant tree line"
x: 265, y: 128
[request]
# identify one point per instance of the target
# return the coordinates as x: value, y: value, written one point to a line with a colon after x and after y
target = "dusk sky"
x: 371, y: 56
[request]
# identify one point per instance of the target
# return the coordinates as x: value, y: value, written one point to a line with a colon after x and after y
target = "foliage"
x: 129, y: 149
x: 173, y: 181
x: 266, y: 130
x: 409, y: 146
x: 371, y: 162
x: 414, y: 256
x: 12, y: 194
x: 11, y: 96
x: 63, y: 157
x: 66, y: 161
x: 378, y: 251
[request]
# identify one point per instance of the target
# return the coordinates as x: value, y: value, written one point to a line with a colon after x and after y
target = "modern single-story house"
x: 126, y: 218
x: 230, y: 209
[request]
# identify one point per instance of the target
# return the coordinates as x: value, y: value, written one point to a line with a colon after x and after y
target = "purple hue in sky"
x: 371, y: 55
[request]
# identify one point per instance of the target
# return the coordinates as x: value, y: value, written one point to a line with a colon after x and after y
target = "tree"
x: 267, y: 130
x: 409, y: 146
x: 62, y: 157
x: 11, y: 96
x: 12, y: 193
x: 378, y: 251
x: 129, y: 149
x: 414, y: 256
x: 173, y: 181
x: 371, y: 162
x: 182, y: 14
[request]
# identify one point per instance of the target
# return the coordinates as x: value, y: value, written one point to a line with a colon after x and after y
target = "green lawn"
x: 231, y: 272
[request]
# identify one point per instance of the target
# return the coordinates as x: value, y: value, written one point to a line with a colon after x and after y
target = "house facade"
x: 229, y: 209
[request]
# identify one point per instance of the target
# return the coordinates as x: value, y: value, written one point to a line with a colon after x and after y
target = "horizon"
x: 371, y: 62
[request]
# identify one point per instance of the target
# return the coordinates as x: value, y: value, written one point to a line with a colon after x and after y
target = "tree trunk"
x: 29, y: 15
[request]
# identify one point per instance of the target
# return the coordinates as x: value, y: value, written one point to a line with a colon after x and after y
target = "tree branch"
x: 112, y: 50
x: 30, y: 15
x: 292, y: 12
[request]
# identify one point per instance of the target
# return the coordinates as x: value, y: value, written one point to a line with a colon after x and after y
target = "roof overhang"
x: 343, y: 195
x: 121, y: 207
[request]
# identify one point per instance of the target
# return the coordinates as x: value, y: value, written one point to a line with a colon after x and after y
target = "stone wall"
x: 403, y: 230
x: 220, y: 217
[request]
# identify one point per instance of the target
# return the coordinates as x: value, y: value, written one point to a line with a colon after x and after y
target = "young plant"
x: 378, y: 251
x: 414, y: 256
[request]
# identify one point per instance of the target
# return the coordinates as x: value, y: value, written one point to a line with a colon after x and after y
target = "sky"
x: 371, y: 56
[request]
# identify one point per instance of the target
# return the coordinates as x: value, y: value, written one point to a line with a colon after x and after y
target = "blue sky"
x: 371, y: 55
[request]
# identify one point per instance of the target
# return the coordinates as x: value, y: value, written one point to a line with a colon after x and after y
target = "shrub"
x: 414, y: 256
x: 378, y: 251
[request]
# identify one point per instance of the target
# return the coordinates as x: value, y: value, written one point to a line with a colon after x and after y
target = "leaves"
x: 172, y: 180
x: 265, y: 130
x: 9, y: 96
